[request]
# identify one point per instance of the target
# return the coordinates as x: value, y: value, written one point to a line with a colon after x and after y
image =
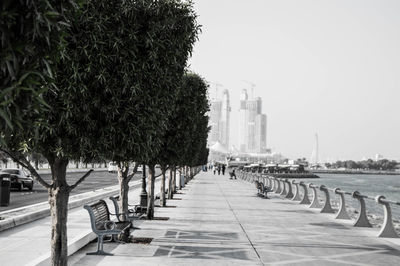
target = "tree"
x: 32, y: 32
x: 350, y: 164
x: 174, y: 22
x: 195, y: 128
x: 188, y: 111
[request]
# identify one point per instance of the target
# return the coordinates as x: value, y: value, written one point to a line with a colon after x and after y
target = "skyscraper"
x: 243, y: 121
x: 253, y: 125
x: 225, y: 116
x: 220, y: 120
x: 215, y: 119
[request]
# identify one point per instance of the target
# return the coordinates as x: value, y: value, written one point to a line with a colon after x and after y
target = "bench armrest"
x: 109, y: 225
x: 120, y: 215
x: 109, y: 228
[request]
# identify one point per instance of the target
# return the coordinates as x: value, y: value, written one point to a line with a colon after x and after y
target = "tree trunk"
x: 171, y: 176
x: 58, y: 200
x: 173, y: 173
x: 186, y: 175
x: 150, y: 192
x: 123, y: 182
x: 162, y: 191
x: 170, y: 195
x: 179, y: 179
x: 77, y: 164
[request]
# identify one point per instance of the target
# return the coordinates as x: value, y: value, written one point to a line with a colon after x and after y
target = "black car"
x: 19, y: 179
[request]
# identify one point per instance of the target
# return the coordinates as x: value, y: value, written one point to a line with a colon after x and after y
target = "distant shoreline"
x: 355, y: 172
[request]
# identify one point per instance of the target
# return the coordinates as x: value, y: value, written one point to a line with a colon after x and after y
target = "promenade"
x: 217, y: 221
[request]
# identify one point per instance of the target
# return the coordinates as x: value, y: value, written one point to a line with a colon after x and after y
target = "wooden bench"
x: 103, y: 226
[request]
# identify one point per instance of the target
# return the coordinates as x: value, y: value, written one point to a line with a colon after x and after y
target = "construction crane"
x: 217, y: 85
x: 252, y: 87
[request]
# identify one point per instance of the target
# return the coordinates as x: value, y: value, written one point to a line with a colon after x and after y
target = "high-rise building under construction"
x: 220, y: 120
x: 253, y: 125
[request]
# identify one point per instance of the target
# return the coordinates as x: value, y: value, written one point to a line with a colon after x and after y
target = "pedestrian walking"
x: 223, y: 169
x: 219, y: 169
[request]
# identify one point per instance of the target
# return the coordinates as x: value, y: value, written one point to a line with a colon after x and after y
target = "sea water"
x: 370, y: 185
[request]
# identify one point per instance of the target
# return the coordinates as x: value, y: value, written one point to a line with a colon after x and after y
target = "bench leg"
x: 116, y: 240
x: 124, y: 235
x: 100, y: 250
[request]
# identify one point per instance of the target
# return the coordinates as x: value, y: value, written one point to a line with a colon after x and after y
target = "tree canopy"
x: 193, y: 130
x: 369, y: 164
x: 31, y: 35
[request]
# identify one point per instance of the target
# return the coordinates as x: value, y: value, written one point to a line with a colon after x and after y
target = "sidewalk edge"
x: 38, y: 214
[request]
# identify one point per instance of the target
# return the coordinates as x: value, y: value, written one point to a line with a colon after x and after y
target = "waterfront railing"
x: 291, y: 190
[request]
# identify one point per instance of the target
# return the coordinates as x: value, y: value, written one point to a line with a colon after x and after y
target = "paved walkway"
x: 29, y: 244
x: 217, y: 221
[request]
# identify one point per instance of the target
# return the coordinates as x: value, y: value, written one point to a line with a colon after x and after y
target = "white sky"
x: 324, y: 66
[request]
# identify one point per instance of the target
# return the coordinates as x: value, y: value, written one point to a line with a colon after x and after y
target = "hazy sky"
x: 326, y: 67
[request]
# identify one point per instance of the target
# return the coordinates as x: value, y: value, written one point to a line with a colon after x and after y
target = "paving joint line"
x: 244, y: 231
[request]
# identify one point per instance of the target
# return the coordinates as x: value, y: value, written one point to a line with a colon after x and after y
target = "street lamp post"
x: 143, y: 194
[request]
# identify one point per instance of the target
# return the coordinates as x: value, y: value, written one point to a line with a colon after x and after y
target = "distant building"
x: 253, y: 125
x: 220, y: 121
x: 379, y: 157
x: 225, y: 120
x: 215, y: 119
x: 243, y: 121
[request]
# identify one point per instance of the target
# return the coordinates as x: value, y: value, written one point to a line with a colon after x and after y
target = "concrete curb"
x: 42, y: 210
x: 74, y: 170
x: 73, y: 246
x: 79, y: 241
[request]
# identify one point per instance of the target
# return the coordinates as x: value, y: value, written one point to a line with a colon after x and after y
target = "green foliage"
x: 369, y: 164
x: 190, y: 122
x: 31, y: 32
x: 117, y: 76
x: 3, y: 157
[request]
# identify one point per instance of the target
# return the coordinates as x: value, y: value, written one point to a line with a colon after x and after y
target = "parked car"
x: 19, y: 179
x: 112, y: 167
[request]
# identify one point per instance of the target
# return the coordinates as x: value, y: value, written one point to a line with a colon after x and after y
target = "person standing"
x: 223, y: 169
